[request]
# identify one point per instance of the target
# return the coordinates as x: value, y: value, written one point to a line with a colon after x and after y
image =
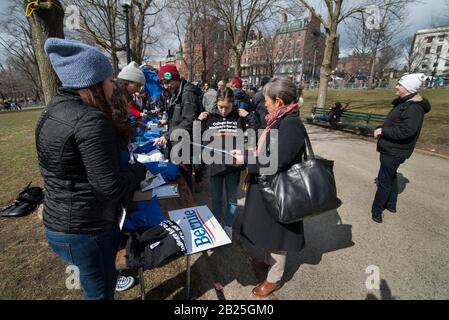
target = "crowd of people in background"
x: 14, y: 104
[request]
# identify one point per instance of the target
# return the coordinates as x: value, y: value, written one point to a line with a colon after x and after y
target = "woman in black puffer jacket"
x: 78, y: 138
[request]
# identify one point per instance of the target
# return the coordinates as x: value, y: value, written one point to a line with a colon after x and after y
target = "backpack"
x: 26, y: 202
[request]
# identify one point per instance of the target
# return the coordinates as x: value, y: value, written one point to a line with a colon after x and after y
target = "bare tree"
x: 239, y: 18
x: 45, y: 22
x: 16, y: 44
x: 376, y: 36
x: 141, y: 23
x: 200, y: 37
x: 336, y: 14
x: 103, y: 24
x: 387, y: 58
x: 100, y: 20
x: 186, y: 16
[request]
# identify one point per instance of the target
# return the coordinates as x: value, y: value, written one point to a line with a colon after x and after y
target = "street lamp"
x: 126, y: 4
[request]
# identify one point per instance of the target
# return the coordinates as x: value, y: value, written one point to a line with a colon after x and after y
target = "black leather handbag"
x: 306, y: 189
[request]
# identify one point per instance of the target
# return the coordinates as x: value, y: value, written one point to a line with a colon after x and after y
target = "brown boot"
x: 266, y: 288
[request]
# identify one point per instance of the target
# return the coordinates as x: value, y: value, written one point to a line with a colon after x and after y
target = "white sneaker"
x: 228, y: 231
x: 124, y: 283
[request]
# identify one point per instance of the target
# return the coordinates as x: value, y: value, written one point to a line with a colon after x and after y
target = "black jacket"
x: 78, y: 152
x: 225, y: 129
x: 184, y: 107
x: 402, y: 128
x: 258, y: 225
x: 242, y: 100
x: 261, y: 109
x: 154, y: 247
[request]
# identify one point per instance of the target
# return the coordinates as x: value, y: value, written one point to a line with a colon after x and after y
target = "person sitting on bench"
x: 334, y: 114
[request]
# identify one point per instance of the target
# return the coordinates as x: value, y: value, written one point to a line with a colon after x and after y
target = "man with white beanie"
x: 397, y: 140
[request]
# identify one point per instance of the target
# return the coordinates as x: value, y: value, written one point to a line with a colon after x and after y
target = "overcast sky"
x: 422, y: 15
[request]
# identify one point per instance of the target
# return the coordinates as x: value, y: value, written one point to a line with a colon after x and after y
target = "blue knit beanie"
x: 77, y: 64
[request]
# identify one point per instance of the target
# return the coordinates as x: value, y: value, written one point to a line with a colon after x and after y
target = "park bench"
x: 362, y: 121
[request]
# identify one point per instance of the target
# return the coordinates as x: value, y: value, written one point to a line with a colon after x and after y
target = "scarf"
x: 272, y: 119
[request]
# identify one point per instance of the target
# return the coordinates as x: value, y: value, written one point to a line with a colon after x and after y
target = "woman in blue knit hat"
x: 78, y: 138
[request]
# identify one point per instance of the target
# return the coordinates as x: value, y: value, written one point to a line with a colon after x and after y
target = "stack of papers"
x: 168, y: 191
x: 151, y: 181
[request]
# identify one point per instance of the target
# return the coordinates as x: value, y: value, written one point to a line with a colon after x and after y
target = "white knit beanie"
x: 412, y: 82
x: 132, y: 73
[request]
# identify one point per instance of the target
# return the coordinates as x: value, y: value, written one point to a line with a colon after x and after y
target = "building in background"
x: 357, y: 65
x: 205, y: 53
x: 295, y: 50
x: 430, y: 52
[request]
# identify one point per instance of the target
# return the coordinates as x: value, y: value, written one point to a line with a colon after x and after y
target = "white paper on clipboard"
x: 155, y: 182
x: 166, y: 191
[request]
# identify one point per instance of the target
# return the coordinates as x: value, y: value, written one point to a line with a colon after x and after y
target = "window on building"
x: 430, y: 39
x: 424, y: 66
x: 428, y: 50
x: 441, y: 37
x: 439, y: 49
x: 447, y: 63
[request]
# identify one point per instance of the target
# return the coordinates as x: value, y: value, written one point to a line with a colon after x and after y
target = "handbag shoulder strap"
x: 308, y: 150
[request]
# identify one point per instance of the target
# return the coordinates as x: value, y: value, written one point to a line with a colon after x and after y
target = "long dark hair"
x: 116, y: 111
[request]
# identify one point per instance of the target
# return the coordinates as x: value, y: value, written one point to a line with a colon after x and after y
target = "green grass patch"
x: 18, y: 158
x: 434, y: 135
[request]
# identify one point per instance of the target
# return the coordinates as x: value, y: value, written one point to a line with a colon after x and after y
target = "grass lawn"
x: 434, y: 135
x: 18, y: 158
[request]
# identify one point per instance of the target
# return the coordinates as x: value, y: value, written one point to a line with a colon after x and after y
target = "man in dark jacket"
x: 259, y: 102
x: 397, y: 139
x: 241, y: 99
x: 183, y: 107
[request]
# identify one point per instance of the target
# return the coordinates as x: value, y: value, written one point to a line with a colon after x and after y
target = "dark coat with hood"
x: 242, y: 100
x: 184, y: 107
x: 258, y: 225
x: 261, y: 108
x: 402, y: 128
x: 78, y: 153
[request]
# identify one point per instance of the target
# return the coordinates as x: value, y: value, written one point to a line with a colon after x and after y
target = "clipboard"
x: 148, y: 195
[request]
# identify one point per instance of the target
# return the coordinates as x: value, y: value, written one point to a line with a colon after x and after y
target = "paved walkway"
x: 409, y: 248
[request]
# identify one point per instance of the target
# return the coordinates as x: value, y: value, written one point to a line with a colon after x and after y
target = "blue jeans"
x: 231, y: 181
x: 94, y: 255
x: 323, y: 117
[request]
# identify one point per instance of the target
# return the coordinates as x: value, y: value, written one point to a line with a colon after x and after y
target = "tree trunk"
x: 114, y: 61
x: 326, y: 68
x: 46, y: 23
x: 238, y: 64
x: 372, y: 71
x: 204, y: 73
